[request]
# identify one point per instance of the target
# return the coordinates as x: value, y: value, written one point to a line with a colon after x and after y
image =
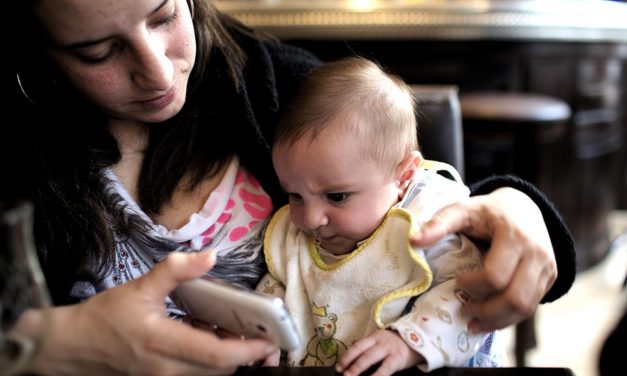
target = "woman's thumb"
x: 178, y: 267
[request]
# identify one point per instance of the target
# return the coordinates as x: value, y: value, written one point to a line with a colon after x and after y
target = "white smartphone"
x: 241, y: 311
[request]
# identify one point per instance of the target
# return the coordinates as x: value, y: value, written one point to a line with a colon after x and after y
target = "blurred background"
x: 570, y: 51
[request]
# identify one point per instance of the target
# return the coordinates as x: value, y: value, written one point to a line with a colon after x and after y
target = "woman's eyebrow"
x: 87, y: 43
x: 92, y: 42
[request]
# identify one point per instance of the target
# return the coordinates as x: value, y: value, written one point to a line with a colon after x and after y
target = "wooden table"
x: 327, y: 371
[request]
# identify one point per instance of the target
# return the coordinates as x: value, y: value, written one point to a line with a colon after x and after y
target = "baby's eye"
x: 294, y: 197
x: 338, y: 197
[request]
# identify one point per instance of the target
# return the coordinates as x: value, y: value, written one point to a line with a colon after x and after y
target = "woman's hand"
x: 125, y: 330
x: 519, y: 266
x: 272, y: 360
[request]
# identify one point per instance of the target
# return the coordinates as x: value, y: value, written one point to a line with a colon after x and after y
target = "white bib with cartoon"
x: 335, y: 305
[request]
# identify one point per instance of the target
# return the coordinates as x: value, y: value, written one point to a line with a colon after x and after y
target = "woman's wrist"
x: 27, y: 341
x: 54, y: 331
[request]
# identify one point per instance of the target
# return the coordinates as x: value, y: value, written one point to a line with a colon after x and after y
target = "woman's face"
x: 131, y: 58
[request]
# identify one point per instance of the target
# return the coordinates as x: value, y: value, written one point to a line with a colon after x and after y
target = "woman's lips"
x: 163, y: 100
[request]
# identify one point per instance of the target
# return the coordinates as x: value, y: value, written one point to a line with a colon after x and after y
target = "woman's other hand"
x: 519, y: 266
x: 125, y: 330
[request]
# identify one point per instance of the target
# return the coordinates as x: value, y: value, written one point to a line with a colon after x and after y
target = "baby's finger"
x: 354, y: 352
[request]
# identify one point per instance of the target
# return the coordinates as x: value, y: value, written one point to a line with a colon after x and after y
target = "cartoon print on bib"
x: 323, y: 349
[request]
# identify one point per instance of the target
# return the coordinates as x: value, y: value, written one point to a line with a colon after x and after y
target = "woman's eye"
x: 96, y: 60
x: 337, y: 197
x: 100, y: 54
x: 168, y: 19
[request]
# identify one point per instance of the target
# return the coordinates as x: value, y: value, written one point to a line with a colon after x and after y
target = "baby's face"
x: 336, y: 194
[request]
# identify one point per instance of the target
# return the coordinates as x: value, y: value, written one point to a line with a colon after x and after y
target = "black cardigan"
x: 268, y: 82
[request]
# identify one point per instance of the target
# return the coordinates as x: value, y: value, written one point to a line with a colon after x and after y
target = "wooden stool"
x: 519, y: 134
x: 507, y: 133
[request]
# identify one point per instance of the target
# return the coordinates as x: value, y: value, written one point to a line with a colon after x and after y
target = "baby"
x: 346, y: 153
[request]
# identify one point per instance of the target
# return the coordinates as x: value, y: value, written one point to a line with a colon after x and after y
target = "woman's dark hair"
x: 71, y: 146
x: 180, y: 145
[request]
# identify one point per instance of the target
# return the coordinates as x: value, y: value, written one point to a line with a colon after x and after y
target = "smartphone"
x: 241, y: 311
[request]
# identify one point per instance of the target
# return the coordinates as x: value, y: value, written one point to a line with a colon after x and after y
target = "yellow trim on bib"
x: 266, y: 239
x: 315, y: 255
x: 415, y: 290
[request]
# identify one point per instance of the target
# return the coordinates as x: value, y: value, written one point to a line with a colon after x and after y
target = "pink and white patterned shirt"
x: 232, y: 222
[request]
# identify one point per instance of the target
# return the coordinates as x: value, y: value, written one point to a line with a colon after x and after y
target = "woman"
x: 164, y: 111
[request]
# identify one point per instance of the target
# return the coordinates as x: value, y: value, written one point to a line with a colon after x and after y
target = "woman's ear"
x: 406, y: 170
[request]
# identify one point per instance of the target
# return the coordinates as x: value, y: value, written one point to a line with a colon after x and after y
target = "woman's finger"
x: 203, y: 348
x: 498, y: 268
x: 174, y: 269
x: 463, y: 216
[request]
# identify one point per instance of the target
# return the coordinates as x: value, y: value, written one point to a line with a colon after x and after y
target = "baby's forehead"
x: 348, y: 122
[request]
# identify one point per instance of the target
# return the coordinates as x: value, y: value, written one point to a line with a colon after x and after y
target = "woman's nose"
x: 153, y: 71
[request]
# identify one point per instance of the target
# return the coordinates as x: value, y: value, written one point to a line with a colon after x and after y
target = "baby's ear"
x: 407, y: 168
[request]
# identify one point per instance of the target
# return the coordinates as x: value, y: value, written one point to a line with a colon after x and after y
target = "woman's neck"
x: 132, y: 138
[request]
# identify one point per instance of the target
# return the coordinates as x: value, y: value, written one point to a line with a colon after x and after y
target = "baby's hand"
x: 383, y: 346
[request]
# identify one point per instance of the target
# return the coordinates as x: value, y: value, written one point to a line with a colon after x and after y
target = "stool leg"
x: 526, y: 153
x: 525, y: 339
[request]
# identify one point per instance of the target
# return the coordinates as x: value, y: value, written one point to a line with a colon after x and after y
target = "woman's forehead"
x: 74, y: 21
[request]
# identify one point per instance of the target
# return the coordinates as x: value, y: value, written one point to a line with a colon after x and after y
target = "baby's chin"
x: 338, y: 249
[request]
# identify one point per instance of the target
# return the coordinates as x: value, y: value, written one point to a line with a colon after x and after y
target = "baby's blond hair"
x: 378, y: 107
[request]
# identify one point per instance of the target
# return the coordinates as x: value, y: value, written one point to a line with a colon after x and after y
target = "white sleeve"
x: 453, y: 254
x: 437, y: 328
